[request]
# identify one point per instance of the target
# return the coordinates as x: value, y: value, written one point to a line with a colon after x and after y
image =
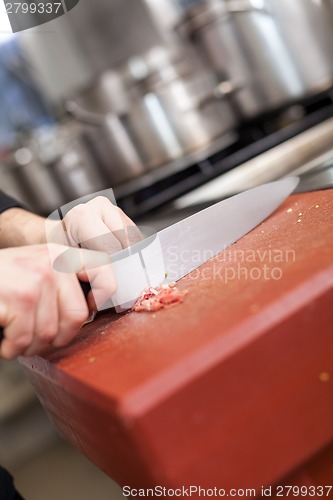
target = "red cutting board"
x: 232, y: 388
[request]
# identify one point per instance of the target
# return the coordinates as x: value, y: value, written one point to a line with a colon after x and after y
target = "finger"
x: 3, y: 314
x: 46, y: 318
x: 72, y: 308
x: 103, y: 286
x: 74, y: 260
x: 84, y: 225
x: 10, y: 350
x: 126, y: 231
x: 18, y: 334
x: 100, y: 225
x: 96, y: 235
x: 116, y: 220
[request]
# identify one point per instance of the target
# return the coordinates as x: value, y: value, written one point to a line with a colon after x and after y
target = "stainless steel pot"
x: 47, y: 174
x: 131, y: 135
x: 110, y: 143
x: 166, y: 117
x: 307, y: 28
x: 246, y: 42
x: 31, y: 182
x: 114, y: 146
x: 76, y: 171
x: 181, y: 112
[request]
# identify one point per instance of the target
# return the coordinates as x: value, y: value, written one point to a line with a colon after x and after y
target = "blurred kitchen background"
x: 174, y: 104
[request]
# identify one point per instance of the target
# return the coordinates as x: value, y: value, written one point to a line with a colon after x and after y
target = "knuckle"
x: 26, y: 297
x: 75, y: 319
x: 44, y: 274
x: 47, y: 334
x: 112, y: 288
x: 77, y: 208
x: 8, y: 356
x: 106, y: 203
x: 75, y: 212
x: 102, y: 199
x: 79, y: 316
x: 22, y: 343
x: 60, y: 342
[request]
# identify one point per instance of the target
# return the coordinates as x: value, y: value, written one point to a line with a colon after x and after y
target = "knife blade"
x: 182, y: 247
x: 177, y: 250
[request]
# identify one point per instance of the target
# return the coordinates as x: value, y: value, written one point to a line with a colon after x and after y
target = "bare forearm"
x: 19, y: 227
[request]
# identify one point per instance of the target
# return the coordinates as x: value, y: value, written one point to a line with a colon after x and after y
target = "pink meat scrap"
x: 154, y: 299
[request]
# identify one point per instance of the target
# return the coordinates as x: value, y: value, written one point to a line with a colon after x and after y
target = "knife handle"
x: 85, y: 288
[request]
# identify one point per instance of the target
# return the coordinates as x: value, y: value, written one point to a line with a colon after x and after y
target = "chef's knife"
x: 182, y: 247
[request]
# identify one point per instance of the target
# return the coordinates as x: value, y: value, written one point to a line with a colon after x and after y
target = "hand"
x: 96, y: 225
x: 39, y: 307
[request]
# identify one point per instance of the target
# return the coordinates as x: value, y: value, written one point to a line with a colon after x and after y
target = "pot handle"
x: 239, y: 6
x: 223, y: 90
x: 82, y: 115
x: 187, y: 27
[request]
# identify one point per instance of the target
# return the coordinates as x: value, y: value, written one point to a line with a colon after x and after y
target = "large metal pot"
x: 48, y: 172
x: 246, y: 43
x: 180, y: 108
x: 110, y: 145
x: 120, y: 145
x: 162, y: 116
x: 76, y: 172
x: 31, y: 182
x: 307, y: 28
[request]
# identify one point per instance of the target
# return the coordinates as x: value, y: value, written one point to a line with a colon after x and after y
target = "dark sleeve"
x: 7, y: 202
x: 7, y: 490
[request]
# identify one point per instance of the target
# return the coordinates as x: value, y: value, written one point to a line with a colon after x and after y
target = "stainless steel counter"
x: 293, y: 157
x: 309, y: 153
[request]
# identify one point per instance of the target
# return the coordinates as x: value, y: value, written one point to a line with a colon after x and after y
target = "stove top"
x: 256, y: 139
x: 314, y: 175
